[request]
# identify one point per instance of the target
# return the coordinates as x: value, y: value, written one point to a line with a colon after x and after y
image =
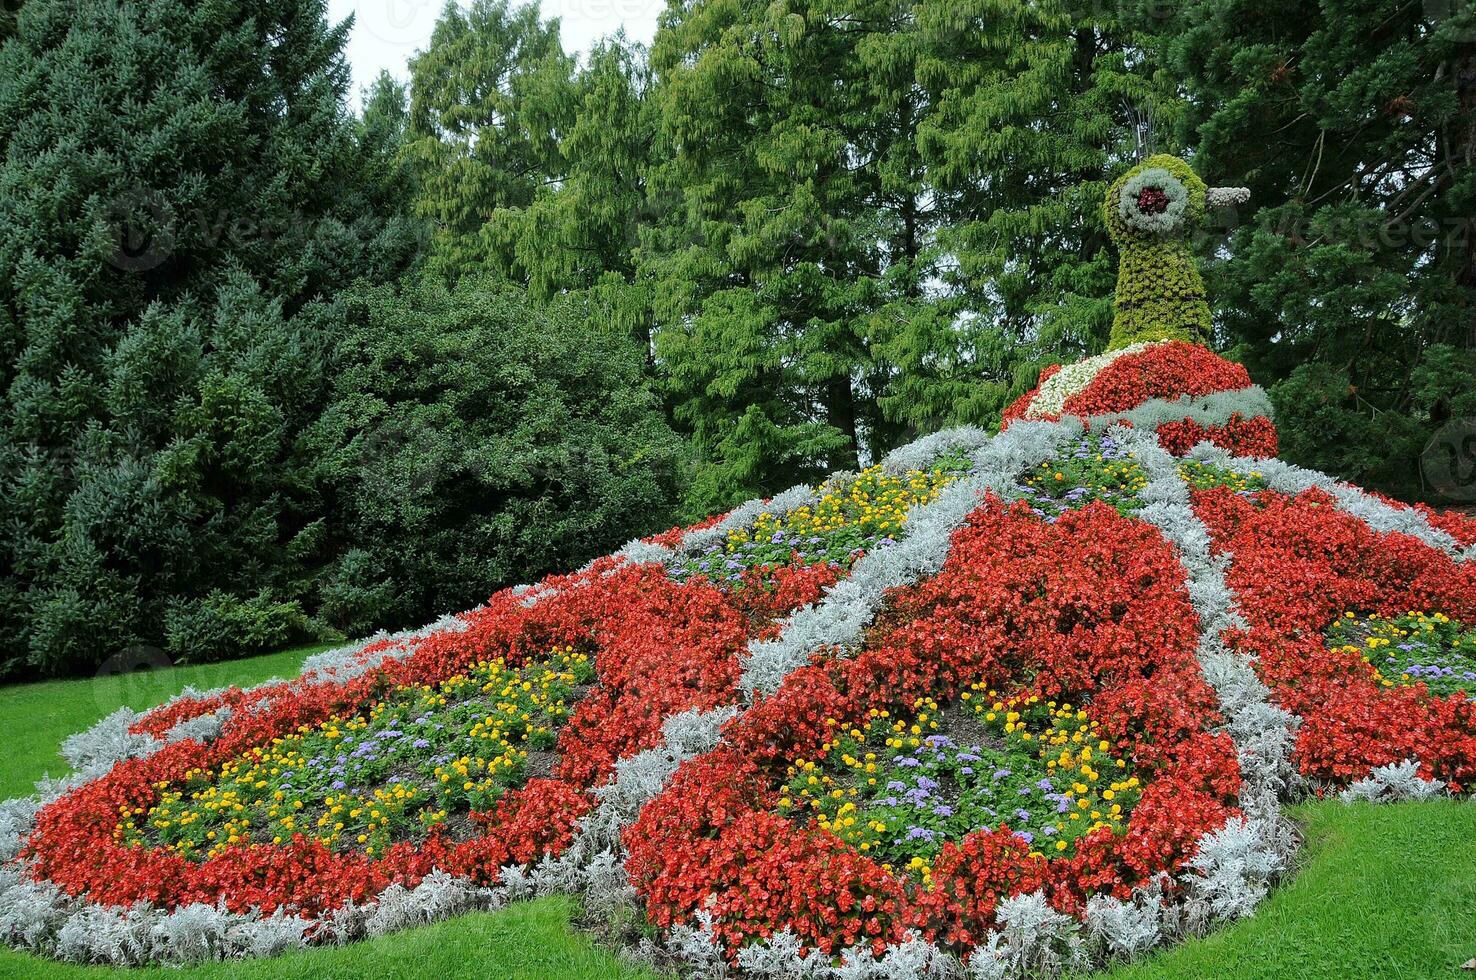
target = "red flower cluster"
x: 1240, y: 435
x: 1165, y: 370
x: 1299, y: 563
x: 659, y: 648
x: 1151, y: 200
x: 1093, y: 607
x: 1460, y: 526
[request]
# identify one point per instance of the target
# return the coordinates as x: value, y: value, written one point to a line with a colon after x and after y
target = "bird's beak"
x: 1224, y: 197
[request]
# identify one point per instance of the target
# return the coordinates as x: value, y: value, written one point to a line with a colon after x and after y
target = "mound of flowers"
x: 1183, y: 391
x: 464, y: 749
x: 995, y: 706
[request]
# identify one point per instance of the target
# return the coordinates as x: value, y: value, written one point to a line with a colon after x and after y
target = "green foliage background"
x: 272, y: 370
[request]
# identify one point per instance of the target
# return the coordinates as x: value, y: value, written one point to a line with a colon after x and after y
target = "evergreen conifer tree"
x: 1352, y: 290
x: 490, y: 99
x: 794, y: 226
x: 179, y: 184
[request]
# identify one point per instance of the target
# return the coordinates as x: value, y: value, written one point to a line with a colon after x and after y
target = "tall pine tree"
x: 1037, y: 107
x: 490, y: 98
x: 794, y: 224
x: 1352, y: 290
x: 179, y: 183
x: 582, y: 232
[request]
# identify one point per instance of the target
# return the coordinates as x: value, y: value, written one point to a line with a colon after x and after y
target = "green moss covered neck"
x: 1150, y: 212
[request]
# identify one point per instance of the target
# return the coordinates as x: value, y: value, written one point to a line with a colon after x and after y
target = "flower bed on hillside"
x: 1089, y: 611
x: 1001, y: 705
x: 1300, y: 565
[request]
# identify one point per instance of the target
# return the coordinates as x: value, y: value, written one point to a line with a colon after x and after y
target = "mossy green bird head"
x: 1150, y: 212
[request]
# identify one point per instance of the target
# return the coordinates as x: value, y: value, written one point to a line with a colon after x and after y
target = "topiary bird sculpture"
x: 1150, y: 211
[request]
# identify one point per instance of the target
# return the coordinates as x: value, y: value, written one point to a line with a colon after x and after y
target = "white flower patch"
x: 1073, y: 379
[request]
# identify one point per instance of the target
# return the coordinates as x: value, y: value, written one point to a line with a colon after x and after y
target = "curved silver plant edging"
x: 1217, y: 408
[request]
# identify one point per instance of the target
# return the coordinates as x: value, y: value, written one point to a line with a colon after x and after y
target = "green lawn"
x: 36, y: 718
x: 1387, y: 892
x: 1382, y: 891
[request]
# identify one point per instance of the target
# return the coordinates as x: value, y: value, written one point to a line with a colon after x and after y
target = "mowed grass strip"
x: 1380, y: 891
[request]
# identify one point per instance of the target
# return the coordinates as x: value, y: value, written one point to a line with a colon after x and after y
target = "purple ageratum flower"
x: 924, y: 782
x: 1023, y: 816
x: 1025, y: 836
x: 966, y: 770
x: 943, y: 810
x: 1044, y: 786
x: 339, y: 784
x: 896, y: 786
x: 420, y: 743
x: 906, y: 762
x: 1048, y: 830
x: 1000, y: 774
x: 920, y: 833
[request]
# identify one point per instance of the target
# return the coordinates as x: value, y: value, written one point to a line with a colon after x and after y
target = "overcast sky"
x: 387, y: 32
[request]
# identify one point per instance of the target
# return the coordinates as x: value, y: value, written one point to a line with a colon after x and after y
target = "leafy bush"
x: 221, y: 626
x: 475, y: 441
